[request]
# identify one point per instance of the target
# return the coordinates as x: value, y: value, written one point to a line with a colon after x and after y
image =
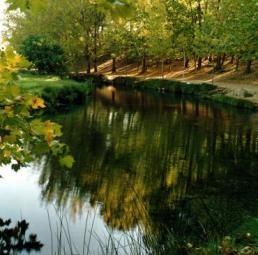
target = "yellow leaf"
x: 37, y: 103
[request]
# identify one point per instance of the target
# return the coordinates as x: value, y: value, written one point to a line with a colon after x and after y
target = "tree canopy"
x: 89, y: 31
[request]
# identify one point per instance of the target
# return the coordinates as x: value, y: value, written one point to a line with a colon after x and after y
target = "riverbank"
x: 58, y: 94
x: 231, y: 85
x: 241, y: 98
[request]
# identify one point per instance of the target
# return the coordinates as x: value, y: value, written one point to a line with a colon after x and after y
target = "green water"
x: 179, y: 170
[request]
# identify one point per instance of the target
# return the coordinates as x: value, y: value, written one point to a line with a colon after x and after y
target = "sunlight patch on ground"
x: 53, y: 79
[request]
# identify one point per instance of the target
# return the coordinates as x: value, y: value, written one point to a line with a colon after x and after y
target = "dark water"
x: 146, y: 165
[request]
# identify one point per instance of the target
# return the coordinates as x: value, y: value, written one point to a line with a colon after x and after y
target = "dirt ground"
x: 237, y: 83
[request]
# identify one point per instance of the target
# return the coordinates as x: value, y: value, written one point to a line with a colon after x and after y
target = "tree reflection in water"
x: 159, y: 163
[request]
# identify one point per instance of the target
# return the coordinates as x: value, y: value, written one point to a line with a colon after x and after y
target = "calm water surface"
x: 146, y: 165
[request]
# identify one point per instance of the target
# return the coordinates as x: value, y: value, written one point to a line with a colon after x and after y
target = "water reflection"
x: 159, y: 163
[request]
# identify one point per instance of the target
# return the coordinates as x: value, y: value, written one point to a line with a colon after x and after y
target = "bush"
x: 62, y: 97
x: 46, y: 55
x: 96, y: 78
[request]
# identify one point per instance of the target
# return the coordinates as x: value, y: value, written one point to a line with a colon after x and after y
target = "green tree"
x: 46, y: 55
x: 141, y: 31
x: 77, y: 26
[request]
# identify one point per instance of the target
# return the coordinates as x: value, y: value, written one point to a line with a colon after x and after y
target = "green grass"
x: 37, y: 83
x: 236, y: 102
x: 58, y: 94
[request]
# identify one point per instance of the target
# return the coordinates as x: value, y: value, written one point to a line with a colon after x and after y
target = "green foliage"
x: 46, y: 55
x: 25, y: 5
x: 95, y: 78
x: 67, y: 161
x: 60, y: 98
x: 23, y: 138
x: 139, y: 30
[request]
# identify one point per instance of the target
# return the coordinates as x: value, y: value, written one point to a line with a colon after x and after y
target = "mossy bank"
x: 203, y: 91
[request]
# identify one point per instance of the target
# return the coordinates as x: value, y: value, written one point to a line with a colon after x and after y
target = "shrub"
x: 62, y: 97
x: 46, y: 55
x: 96, y: 78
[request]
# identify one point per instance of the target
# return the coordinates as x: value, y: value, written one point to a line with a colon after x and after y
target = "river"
x: 152, y: 172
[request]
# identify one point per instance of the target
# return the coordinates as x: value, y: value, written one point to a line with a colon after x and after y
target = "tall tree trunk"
x: 144, y: 64
x: 195, y: 63
x: 186, y: 63
x: 232, y: 59
x: 162, y: 68
x: 95, y: 65
x: 113, y: 64
x: 248, y: 68
x: 88, y: 66
x: 223, y: 59
x: 199, y: 65
x: 95, y: 49
x: 199, y: 15
x: 87, y: 58
x: 218, y: 66
x: 237, y: 63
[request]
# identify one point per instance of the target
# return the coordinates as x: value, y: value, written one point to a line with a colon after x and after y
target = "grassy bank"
x: 58, y: 94
x: 204, y: 91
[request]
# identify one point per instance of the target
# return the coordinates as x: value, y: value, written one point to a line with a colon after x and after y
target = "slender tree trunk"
x: 144, y: 64
x: 186, y: 63
x: 232, y: 59
x: 95, y: 65
x: 95, y: 49
x: 237, y: 64
x: 88, y: 66
x: 248, y: 68
x: 138, y: 65
x: 199, y: 65
x: 218, y: 66
x: 199, y: 15
x: 114, y: 65
x: 162, y: 68
x: 210, y: 59
x: 87, y: 58
x: 223, y: 59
